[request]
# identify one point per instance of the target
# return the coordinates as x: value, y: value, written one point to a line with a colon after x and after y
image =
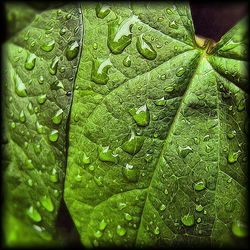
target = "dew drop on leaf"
x: 233, y: 157
x: 53, y: 66
x: 199, y: 208
x: 239, y: 229
x: 198, y: 220
x: 162, y: 207
x: 160, y: 102
x: 72, y: 50
x: 41, y: 80
x: 180, y: 72
x: 231, y: 134
x: 20, y: 87
x: 184, y: 151
x: 120, y: 230
x: 42, y: 98
x: 13, y: 125
x: 128, y: 217
x: 199, y: 185
x: 102, y: 10
x: 187, y: 220
x: 85, y: 159
x: 33, y: 214
x: 103, y: 224
x: 57, y: 118
x: 54, y: 176
x: 49, y: 46
x: 119, y: 34
x: 173, y: 25
x: 47, y: 203
x: 30, y: 62
x: 157, y: 231
x: 39, y: 128
x: 140, y: 115
x: 130, y: 173
x: 99, y: 72
x: 22, y: 117
x: 134, y: 144
x: 53, y: 136
x: 145, y: 48
x: 127, y: 61
x: 30, y: 182
x: 107, y: 155
x: 98, y: 234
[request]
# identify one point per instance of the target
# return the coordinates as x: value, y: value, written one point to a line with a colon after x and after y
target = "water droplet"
x: 120, y: 230
x: 134, y: 144
x: 78, y: 177
x: 180, y: 72
x: 103, y: 224
x: 199, y: 208
x: 91, y: 167
x: 98, y: 234
x: 140, y: 115
x: 41, y: 80
x: 160, y: 102
x: 148, y: 157
x: 33, y: 214
x: 47, y: 203
x: 231, y: 134
x: 62, y: 31
x: 169, y: 11
x: 107, y: 155
x: 173, y: 25
x: 102, y: 10
x: 169, y: 89
x: 187, y: 220
x: 22, y: 117
x: 20, y: 87
x: 99, y: 73
x: 233, y: 157
x: 42, y: 98
x: 162, y: 207
x: 157, y: 231
x: 95, y: 46
x: 57, y: 118
x: 119, y: 34
x: 30, y: 182
x: 30, y: 62
x: 239, y: 229
x: 184, y: 151
x: 68, y: 16
x: 127, y: 61
x: 53, y: 136
x: 85, y: 159
x: 54, y: 177
x: 128, y: 217
x: 121, y: 205
x: 49, y: 46
x: 72, y: 50
x: 198, y: 220
x: 37, y: 148
x: 39, y: 128
x: 145, y: 48
x: 53, y: 66
x: 199, y: 185
x: 68, y: 93
x: 130, y: 173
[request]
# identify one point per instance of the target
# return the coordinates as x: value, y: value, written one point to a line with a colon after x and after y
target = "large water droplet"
x: 85, y: 159
x: 105, y: 154
x: 99, y: 73
x: 180, y: 72
x: 53, y: 136
x: 157, y: 231
x: 120, y: 230
x: 187, y: 220
x: 20, y: 87
x: 173, y: 25
x: 72, y: 50
x: 127, y: 61
x: 57, y: 118
x: 134, y: 144
x: 162, y: 207
x: 98, y: 234
x: 199, y: 185
x: 54, y: 177
x: 30, y: 62
x: 128, y: 217
x: 47, y: 203
x: 41, y: 98
x: 233, y: 157
x: 140, y: 115
x: 53, y: 66
x: 39, y: 128
x: 49, y: 46
x: 130, y: 173
x: 22, y: 117
x: 103, y: 224
x: 145, y: 48
x: 33, y: 214
x: 119, y: 34
x: 239, y: 229
x: 160, y: 102
x: 231, y: 134
x: 184, y: 151
x: 102, y: 10
x: 199, y: 208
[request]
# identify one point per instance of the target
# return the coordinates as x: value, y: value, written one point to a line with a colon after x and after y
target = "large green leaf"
x: 148, y: 121
x: 157, y: 145
x: 37, y: 84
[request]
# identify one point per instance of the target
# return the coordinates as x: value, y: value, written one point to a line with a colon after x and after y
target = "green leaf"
x: 36, y: 110
x: 147, y: 121
x: 181, y: 103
